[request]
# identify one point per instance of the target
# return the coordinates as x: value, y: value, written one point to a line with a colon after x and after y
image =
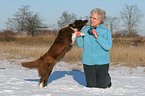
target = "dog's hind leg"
x: 41, y: 81
x: 42, y: 73
x: 45, y: 73
x: 45, y: 70
x: 45, y: 81
x: 49, y: 70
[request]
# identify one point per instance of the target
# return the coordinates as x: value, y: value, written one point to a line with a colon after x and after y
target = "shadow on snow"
x: 78, y: 76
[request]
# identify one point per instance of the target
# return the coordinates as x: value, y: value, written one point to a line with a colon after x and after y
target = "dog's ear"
x: 76, y: 22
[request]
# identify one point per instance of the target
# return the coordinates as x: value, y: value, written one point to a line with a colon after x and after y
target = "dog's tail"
x: 32, y: 64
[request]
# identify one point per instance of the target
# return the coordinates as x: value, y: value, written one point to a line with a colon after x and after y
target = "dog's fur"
x: 62, y: 44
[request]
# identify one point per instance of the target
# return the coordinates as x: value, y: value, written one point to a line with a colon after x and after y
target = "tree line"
x: 130, y: 17
x: 26, y: 21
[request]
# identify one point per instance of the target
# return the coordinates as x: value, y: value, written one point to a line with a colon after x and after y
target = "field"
x: 122, y: 51
x: 67, y: 79
x: 127, y: 54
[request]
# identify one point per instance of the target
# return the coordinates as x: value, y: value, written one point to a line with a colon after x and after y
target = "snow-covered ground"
x: 18, y: 81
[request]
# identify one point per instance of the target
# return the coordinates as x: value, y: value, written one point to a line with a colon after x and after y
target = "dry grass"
x: 26, y: 47
x: 29, y: 47
x: 127, y: 54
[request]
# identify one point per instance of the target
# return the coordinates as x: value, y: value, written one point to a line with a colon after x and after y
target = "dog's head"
x: 79, y: 24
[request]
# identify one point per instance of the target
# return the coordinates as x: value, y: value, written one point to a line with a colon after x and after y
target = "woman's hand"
x: 95, y: 33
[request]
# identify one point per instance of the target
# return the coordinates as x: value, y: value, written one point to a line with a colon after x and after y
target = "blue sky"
x: 51, y: 10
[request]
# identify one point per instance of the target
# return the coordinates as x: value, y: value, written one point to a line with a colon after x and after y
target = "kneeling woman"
x: 96, y: 45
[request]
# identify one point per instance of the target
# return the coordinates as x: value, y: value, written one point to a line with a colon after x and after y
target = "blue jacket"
x: 95, y: 50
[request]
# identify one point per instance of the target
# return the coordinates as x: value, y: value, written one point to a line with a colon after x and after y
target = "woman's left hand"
x: 95, y: 33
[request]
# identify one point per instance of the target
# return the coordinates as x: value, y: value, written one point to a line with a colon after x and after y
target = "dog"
x: 61, y: 45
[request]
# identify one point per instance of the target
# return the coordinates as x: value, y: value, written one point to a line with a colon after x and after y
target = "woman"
x: 96, y: 45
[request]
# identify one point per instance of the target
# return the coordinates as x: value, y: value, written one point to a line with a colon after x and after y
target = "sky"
x: 51, y: 10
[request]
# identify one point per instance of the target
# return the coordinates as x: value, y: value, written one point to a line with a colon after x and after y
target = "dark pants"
x: 97, y: 76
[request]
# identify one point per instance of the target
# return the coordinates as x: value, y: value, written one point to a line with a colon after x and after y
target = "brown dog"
x: 62, y: 44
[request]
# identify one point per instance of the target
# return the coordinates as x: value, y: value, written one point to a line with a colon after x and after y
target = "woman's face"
x: 95, y: 22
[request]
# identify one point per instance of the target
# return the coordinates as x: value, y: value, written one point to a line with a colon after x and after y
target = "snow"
x: 18, y: 81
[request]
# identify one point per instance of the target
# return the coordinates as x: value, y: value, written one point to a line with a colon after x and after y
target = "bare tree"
x: 111, y: 23
x: 20, y: 18
x: 66, y: 19
x: 118, y: 24
x: 25, y: 21
x: 10, y: 25
x: 32, y: 23
x: 131, y: 16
